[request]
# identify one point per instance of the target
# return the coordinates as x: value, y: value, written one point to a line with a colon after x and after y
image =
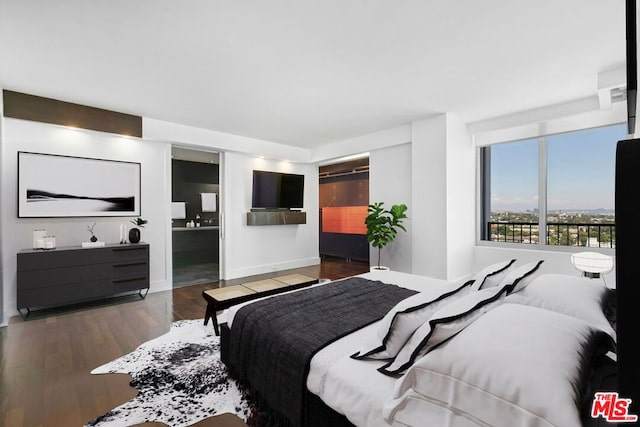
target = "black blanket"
x: 272, y: 341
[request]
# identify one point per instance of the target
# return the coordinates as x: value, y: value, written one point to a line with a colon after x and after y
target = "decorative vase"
x: 93, y: 238
x: 134, y: 235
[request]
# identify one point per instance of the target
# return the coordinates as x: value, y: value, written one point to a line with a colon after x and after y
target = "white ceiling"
x: 309, y: 72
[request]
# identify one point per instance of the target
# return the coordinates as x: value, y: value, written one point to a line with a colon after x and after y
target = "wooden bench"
x: 222, y: 298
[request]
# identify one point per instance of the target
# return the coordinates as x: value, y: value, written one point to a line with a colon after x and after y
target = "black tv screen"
x: 276, y: 190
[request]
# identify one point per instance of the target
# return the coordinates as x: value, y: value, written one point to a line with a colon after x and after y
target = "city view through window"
x: 579, y: 182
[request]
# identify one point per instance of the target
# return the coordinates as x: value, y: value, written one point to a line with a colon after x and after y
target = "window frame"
x: 483, y: 164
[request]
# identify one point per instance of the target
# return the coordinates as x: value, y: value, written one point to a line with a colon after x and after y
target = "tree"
x: 383, y: 224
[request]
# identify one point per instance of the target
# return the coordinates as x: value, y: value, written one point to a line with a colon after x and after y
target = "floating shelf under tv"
x: 276, y: 217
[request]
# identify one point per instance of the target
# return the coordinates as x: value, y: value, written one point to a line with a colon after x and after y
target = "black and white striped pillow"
x: 444, y: 324
x: 492, y: 274
x: 405, y: 317
x: 521, y: 276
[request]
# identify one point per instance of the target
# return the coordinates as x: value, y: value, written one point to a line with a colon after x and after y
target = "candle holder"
x: 38, y: 238
x: 49, y: 242
x: 123, y: 234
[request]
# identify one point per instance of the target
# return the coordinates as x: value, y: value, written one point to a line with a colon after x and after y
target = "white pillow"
x: 444, y: 324
x: 575, y: 296
x: 520, y: 277
x: 491, y: 275
x: 405, y: 317
x: 514, y: 366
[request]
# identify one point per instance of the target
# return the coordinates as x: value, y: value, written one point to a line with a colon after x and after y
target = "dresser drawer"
x: 127, y: 284
x: 130, y: 253
x: 33, y: 279
x: 56, y: 258
x: 63, y: 294
x: 129, y: 268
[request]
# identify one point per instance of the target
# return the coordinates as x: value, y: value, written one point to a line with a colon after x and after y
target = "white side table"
x: 592, y: 264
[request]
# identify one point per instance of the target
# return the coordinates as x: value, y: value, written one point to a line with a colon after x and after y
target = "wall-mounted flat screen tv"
x: 277, y: 190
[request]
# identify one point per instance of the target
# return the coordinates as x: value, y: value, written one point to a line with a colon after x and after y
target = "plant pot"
x: 379, y: 268
x: 134, y: 235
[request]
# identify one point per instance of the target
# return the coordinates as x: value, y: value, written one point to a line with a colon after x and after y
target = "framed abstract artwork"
x: 51, y: 185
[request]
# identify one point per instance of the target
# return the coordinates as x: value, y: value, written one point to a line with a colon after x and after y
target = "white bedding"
x: 357, y: 390
x: 481, y: 378
x: 353, y: 387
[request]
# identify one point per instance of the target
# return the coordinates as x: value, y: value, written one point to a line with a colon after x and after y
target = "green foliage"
x: 383, y: 224
x: 139, y: 222
x: 563, y: 229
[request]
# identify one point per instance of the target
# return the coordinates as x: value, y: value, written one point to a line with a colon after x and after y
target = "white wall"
x: 460, y: 214
x: 429, y: 197
x: 2, y: 322
x: 429, y: 165
x: 443, y: 176
x: 21, y: 135
x: 434, y: 175
x: 361, y: 144
x: 246, y: 250
x: 250, y: 250
x: 178, y: 134
x: 390, y: 182
x: 561, y: 118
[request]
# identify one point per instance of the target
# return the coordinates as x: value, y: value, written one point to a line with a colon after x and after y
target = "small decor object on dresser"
x: 38, y: 238
x: 134, y: 233
x: 123, y: 234
x: 93, y: 243
x: 93, y: 236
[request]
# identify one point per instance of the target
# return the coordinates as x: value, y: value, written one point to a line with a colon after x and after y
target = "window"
x: 552, y: 190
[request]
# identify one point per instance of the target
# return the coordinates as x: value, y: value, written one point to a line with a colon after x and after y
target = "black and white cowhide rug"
x: 180, y: 378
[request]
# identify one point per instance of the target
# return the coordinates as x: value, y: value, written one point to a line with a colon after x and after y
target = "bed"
x: 509, y: 345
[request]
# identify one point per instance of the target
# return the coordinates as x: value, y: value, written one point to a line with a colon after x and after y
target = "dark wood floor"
x: 45, y: 361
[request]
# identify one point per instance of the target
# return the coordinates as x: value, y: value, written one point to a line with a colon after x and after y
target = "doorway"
x: 344, y: 198
x: 195, y: 224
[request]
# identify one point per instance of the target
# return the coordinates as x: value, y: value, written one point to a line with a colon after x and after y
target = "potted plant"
x: 134, y: 233
x: 382, y: 226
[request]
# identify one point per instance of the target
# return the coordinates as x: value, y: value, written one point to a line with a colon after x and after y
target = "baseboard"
x: 8, y: 314
x: 160, y: 286
x: 270, y: 268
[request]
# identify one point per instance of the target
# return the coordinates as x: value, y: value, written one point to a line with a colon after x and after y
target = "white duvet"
x: 353, y: 387
x: 481, y: 377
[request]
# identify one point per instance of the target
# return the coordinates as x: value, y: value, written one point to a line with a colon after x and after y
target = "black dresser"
x: 48, y: 278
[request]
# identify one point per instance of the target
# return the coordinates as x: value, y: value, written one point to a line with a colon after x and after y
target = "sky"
x: 580, y: 171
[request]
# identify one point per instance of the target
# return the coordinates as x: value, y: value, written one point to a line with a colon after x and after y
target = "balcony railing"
x: 560, y: 234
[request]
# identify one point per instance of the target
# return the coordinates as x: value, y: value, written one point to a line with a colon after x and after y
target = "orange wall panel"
x: 344, y: 219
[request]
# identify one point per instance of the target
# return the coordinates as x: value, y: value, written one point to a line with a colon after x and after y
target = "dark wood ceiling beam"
x: 36, y: 108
